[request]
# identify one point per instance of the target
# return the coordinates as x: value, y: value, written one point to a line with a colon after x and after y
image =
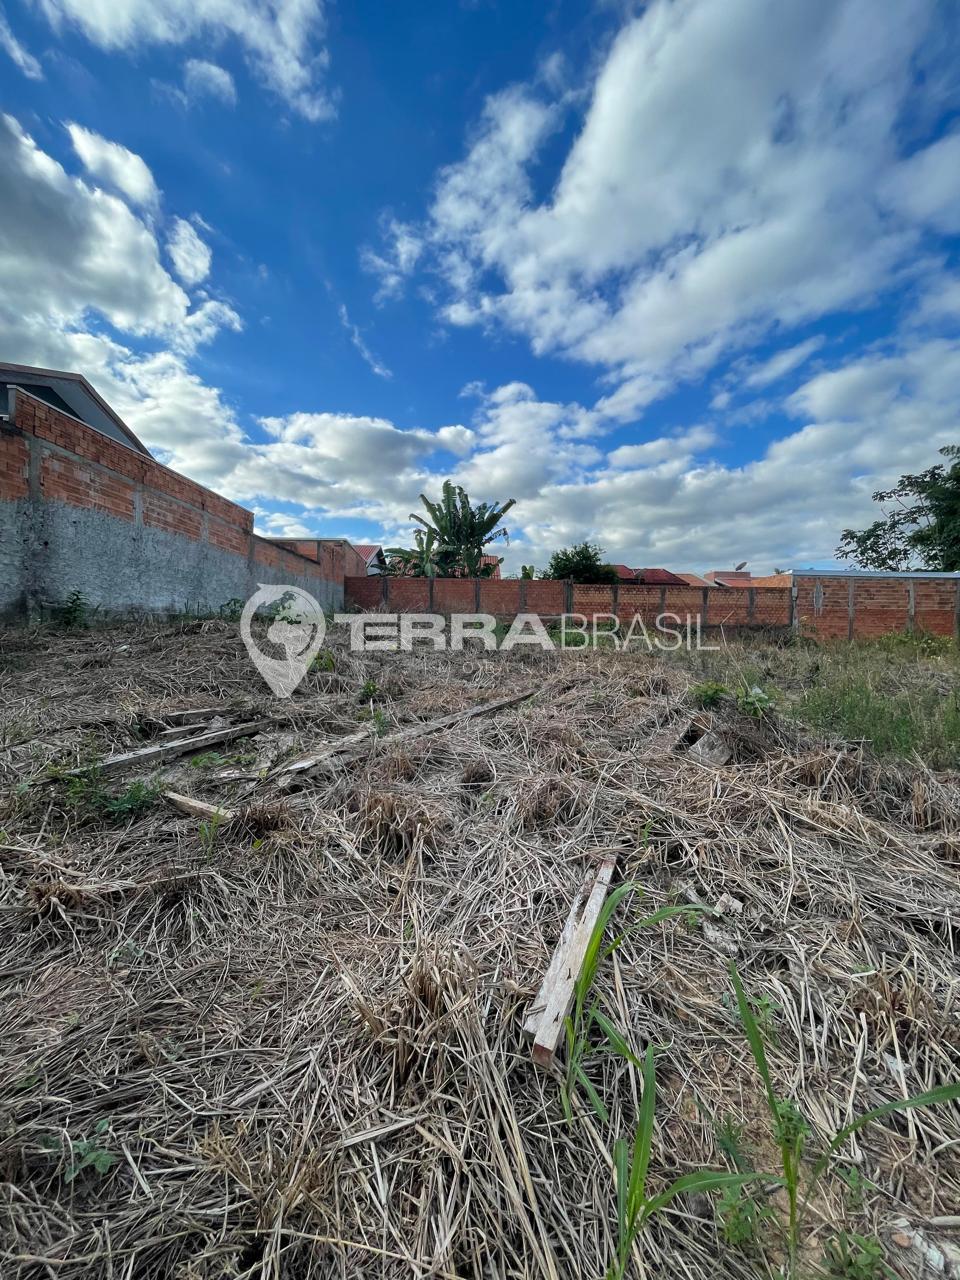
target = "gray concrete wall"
x: 124, y: 568
x: 50, y: 548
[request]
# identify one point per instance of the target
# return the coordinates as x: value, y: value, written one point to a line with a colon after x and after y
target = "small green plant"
x: 635, y: 1207
x: 754, y: 701
x: 125, y: 952
x: 848, y: 1256
x: 379, y: 721
x: 710, y: 693
x: 368, y: 690
x: 324, y: 661
x: 75, y: 610
x: 231, y: 609
x: 857, y: 1185
x: 86, y: 795
x: 208, y: 760
x: 742, y: 1218
x: 586, y: 1014
x: 791, y: 1131
x: 85, y: 1153
x: 134, y: 800
x: 209, y: 828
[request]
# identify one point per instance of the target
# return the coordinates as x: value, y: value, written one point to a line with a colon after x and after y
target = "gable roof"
x: 698, y: 580
x: 368, y: 551
x: 624, y: 572
x: 71, y: 393
x: 659, y: 578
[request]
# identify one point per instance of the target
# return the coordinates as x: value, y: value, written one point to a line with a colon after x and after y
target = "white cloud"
x: 67, y: 248
x: 208, y: 80
x: 926, y: 187
x: 401, y: 251
x: 191, y: 257
x: 676, y: 447
x: 356, y: 337
x: 72, y: 256
x: 283, y: 40
x: 9, y: 43
x: 737, y: 172
x: 782, y: 363
x: 115, y: 165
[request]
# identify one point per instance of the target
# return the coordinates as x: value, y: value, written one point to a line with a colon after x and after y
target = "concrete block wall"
x: 80, y: 511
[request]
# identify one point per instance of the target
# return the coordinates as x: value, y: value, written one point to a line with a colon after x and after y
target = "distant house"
x: 697, y: 580
x: 743, y: 578
x: 729, y: 577
x: 625, y: 573
x: 69, y: 393
x: 659, y: 578
x: 372, y: 555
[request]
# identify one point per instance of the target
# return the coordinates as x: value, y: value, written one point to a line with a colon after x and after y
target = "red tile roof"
x: 660, y: 578
x: 494, y: 560
x: 368, y: 550
x: 697, y: 580
x: 625, y: 572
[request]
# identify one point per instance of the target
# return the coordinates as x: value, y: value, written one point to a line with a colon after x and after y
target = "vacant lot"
x: 288, y: 1041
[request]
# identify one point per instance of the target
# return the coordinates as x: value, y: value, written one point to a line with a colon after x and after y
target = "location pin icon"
x: 298, y: 629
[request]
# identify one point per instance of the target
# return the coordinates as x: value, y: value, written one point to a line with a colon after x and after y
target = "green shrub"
x: 710, y: 693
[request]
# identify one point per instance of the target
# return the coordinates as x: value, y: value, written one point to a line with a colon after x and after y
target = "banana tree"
x: 414, y: 562
x: 462, y: 531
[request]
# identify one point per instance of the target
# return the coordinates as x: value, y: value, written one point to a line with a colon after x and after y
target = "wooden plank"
x: 166, y: 750
x: 531, y: 1024
x: 557, y: 999
x: 347, y: 746
x: 198, y: 808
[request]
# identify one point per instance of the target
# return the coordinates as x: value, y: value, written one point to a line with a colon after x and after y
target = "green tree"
x: 582, y: 562
x: 419, y: 561
x: 458, y: 534
x: 922, y: 527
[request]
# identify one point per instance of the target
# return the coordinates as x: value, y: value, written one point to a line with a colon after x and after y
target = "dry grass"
x: 304, y: 1031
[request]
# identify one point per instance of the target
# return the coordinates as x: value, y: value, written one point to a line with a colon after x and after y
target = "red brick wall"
x: 364, y: 592
x: 82, y: 468
x: 14, y: 466
x: 766, y: 606
x: 335, y: 555
x: 880, y: 606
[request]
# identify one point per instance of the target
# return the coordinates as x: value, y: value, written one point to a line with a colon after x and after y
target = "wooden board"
x: 166, y: 750
x: 198, y: 808
x: 556, y: 993
x: 346, y: 746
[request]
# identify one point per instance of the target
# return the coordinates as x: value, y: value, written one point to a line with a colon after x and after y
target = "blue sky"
x: 679, y: 277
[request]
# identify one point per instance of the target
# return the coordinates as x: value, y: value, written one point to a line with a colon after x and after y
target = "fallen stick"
x: 164, y: 750
x: 556, y: 993
x: 347, y: 745
x: 198, y: 808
